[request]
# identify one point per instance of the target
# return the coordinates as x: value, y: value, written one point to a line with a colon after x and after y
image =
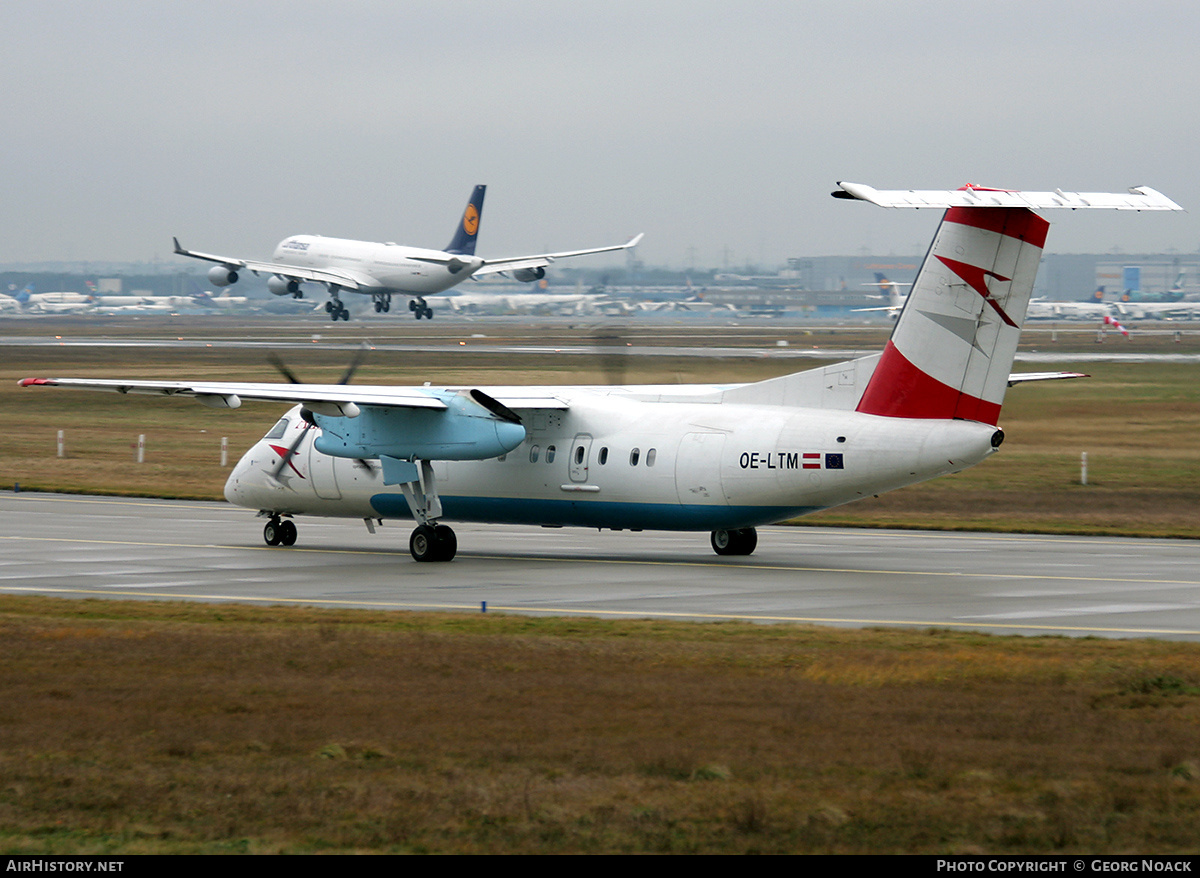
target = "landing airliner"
x: 723, y: 458
x: 379, y: 270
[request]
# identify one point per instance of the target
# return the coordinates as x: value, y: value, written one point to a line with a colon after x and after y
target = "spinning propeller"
x: 305, y: 414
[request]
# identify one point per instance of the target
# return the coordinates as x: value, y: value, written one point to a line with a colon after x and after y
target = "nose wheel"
x: 280, y: 532
x: 433, y: 543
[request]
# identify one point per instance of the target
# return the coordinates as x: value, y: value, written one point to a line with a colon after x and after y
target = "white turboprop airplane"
x: 379, y: 270
x: 719, y: 458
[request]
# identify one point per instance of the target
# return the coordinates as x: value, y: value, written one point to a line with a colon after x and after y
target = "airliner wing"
x: 345, y: 279
x: 515, y: 263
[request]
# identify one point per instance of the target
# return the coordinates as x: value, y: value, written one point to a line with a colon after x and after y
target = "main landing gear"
x: 280, y: 532
x: 431, y: 542
x: 420, y: 309
x: 336, y: 310
x: 734, y: 542
x: 383, y: 302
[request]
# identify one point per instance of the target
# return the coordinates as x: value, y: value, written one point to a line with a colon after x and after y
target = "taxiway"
x: 123, y: 548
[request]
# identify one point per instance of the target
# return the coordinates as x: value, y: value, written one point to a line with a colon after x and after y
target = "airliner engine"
x: 283, y: 286
x: 222, y: 276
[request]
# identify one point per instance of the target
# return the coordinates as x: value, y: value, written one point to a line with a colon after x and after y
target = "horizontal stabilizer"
x: 1137, y: 198
x: 1022, y: 377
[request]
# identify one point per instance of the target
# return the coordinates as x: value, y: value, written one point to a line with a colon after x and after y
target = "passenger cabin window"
x: 533, y: 454
x: 579, y: 455
x: 549, y: 454
x: 278, y: 430
x: 603, y: 456
x: 633, y: 457
x: 650, y: 456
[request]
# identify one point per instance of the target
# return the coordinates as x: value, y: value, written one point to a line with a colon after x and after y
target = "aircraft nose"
x: 235, y: 485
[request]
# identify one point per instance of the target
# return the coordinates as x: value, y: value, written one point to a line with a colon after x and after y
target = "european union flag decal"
x: 833, y: 461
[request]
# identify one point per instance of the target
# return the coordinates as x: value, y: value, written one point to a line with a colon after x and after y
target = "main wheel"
x: 422, y: 545
x: 447, y: 543
x: 740, y: 541
x: 271, y: 532
x: 429, y: 543
x: 428, y: 313
x: 287, y: 533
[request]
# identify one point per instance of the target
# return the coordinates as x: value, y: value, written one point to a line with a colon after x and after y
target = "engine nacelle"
x: 222, y: 276
x: 283, y: 286
x: 466, y: 430
x: 529, y: 275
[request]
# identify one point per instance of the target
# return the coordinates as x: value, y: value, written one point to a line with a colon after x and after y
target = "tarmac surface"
x: 145, y: 549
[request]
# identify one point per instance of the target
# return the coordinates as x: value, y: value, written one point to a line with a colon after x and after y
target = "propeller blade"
x: 282, y: 368
x: 291, y: 452
x: 495, y: 407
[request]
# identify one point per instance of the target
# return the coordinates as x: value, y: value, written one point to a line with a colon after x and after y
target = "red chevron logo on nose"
x: 976, y: 279
x: 283, y: 452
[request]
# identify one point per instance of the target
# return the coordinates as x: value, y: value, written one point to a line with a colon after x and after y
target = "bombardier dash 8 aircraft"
x: 722, y: 458
x: 379, y: 270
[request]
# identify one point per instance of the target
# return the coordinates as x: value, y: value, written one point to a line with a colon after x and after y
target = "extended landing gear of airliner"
x: 383, y: 302
x: 433, y: 543
x: 420, y: 309
x: 280, y: 532
x: 337, y: 310
x: 734, y: 542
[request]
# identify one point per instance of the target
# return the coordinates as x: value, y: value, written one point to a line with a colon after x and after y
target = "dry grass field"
x: 163, y: 728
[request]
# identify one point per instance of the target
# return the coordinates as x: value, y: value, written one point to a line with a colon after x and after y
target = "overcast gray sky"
x: 715, y: 127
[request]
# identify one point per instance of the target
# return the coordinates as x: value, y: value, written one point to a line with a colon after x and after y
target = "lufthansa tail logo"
x: 471, y: 220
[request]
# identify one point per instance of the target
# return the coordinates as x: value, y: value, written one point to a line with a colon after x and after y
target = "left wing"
x: 515, y: 263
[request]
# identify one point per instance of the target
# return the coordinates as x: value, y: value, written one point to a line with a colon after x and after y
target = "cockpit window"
x: 278, y: 430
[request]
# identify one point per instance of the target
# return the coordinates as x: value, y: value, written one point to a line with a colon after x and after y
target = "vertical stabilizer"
x: 953, y: 347
x: 463, y: 242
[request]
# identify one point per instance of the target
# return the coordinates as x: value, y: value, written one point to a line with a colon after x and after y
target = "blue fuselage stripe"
x: 594, y: 513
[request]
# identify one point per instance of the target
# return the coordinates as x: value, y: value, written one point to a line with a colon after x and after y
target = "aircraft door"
x: 698, y: 469
x: 581, y: 455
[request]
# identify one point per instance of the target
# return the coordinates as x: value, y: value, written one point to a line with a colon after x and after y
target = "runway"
x: 117, y: 548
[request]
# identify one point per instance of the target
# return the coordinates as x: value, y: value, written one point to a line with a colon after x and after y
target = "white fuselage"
x: 378, y: 267
x: 634, y: 458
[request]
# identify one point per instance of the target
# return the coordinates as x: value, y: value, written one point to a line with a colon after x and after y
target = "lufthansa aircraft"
x: 379, y: 270
x: 721, y: 458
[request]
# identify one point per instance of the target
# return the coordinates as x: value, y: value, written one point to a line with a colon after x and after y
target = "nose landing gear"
x: 279, y: 532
